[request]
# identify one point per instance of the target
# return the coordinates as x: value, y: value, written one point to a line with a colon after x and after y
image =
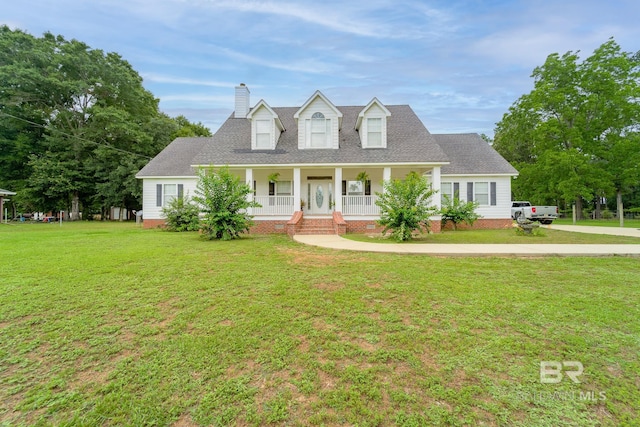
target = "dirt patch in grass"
x: 169, y: 310
x: 365, y: 345
x: 184, y: 421
x: 304, y: 256
x: 91, y: 376
x: 304, y: 345
x: 329, y: 286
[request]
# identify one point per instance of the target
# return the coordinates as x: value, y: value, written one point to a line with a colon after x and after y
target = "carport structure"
x: 3, y: 194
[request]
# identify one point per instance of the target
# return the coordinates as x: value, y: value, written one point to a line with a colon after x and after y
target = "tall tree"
x: 76, y: 124
x: 574, y: 136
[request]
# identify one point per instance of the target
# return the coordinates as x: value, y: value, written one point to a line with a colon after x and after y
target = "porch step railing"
x: 360, y: 205
x: 274, y: 205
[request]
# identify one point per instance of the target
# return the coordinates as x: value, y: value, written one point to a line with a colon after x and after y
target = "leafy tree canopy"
x: 576, y: 135
x: 76, y: 124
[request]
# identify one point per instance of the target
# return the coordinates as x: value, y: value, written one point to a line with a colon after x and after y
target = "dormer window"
x: 372, y: 125
x: 263, y: 134
x: 266, y: 127
x: 319, y: 130
x: 318, y: 123
x: 374, y: 132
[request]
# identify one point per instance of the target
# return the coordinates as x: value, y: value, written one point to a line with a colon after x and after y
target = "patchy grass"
x: 541, y: 235
x: 108, y: 324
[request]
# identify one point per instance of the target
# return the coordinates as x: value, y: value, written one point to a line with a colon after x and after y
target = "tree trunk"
x: 620, y: 208
x: 579, y: 208
x: 75, y: 207
x: 598, y: 212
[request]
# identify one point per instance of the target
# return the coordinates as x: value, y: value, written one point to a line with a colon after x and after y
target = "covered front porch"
x: 321, y: 191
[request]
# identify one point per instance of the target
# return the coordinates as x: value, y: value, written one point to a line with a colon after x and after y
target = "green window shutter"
x: 456, y: 191
x: 272, y: 188
x: 180, y: 190
x: 344, y: 188
x: 367, y: 187
x: 469, y: 191
x: 158, y: 195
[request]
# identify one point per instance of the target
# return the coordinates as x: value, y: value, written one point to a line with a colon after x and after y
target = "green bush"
x: 224, y: 202
x: 182, y: 215
x: 404, y: 206
x: 458, y: 211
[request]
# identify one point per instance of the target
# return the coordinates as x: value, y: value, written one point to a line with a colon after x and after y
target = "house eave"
x: 166, y: 176
x: 480, y: 174
x: 325, y: 165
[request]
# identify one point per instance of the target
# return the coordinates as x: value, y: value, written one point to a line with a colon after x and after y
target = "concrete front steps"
x: 316, y: 226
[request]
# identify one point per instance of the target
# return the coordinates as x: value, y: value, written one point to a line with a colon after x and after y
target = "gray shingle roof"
x: 470, y: 154
x: 407, y: 141
x: 175, y: 159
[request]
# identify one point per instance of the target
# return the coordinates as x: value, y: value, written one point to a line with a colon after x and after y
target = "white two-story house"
x: 306, y: 164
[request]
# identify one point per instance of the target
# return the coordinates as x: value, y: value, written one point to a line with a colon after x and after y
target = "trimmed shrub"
x: 182, y: 215
x: 404, y: 206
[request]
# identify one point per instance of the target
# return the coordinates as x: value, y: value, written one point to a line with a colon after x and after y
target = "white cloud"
x: 160, y: 78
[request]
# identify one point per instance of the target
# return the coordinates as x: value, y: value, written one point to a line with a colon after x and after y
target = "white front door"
x: 320, y: 195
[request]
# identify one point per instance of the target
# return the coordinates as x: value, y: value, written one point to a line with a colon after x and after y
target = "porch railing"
x: 274, y: 205
x: 360, y: 205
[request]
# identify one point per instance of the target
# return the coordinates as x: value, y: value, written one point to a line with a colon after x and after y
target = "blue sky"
x: 459, y: 64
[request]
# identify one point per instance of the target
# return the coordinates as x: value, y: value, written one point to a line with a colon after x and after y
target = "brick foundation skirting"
x: 353, y: 226
x: 154, y: 223
x: 270, y: 227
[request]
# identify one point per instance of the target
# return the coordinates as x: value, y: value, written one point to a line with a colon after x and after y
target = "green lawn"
x: 109, y: 324
x: 541, y: 235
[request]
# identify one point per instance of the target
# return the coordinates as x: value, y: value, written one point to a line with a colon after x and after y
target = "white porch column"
x: 435, y: 184
x: 249, y: 180
x: 337, y: 185
x: 386, y: 174
x: 296, y: 189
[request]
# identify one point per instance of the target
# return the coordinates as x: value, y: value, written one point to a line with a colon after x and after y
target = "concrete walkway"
x: 613, y: 231
x: 337, y: 242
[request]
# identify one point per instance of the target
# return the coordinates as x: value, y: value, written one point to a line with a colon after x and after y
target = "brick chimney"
x: 242, y: 102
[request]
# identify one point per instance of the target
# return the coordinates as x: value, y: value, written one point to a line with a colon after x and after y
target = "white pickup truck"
x: 542, y: 214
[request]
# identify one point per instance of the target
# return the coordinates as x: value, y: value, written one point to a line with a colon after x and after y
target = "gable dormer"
x: 266, y: 127
x: 372, y: 125
x: 319, y: 123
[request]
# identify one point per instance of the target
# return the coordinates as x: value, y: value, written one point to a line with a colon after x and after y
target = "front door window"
x: 319, y: 196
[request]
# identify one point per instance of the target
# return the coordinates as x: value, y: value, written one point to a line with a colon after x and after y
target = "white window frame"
x: 319, y: 125
x: 169, y: 196
x: 378, y: 132
x: 263, y: 134
x: 284, y: 188
x: 444, y: 192
x: 477, y: 194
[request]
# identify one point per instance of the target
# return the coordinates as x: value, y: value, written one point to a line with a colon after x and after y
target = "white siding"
x: 502, y: 209
x: 318, y: 106
x: 150, y: 210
